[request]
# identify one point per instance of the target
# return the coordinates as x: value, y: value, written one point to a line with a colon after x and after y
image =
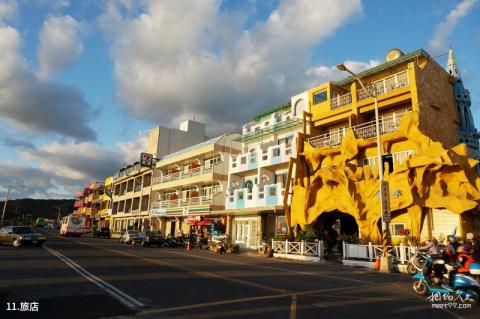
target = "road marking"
x: 243, y: 300
x: 105, y: 286
x: 293, y: 307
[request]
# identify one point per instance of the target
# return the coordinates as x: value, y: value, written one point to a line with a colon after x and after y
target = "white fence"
x: 298, y: 248
x: 400, y: 254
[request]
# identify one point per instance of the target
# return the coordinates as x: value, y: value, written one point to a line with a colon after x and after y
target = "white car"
x: 127, y: 236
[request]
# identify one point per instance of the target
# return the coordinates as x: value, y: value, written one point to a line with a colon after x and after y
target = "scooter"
x: 416, y: 262
x: 463, y: 285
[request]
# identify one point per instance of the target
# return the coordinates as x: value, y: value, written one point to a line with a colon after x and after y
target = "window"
x: 320, y: 97
x: 398, y: 229
x: 240, y: 195
x: 266, y: 123
x: 272, y: 191
x: 276, y: 152
x: 243, y: 160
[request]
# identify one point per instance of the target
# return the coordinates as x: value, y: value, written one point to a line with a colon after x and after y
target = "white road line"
x: 105, y: 286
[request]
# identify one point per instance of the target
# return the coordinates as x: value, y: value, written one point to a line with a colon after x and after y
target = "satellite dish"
x: 393, y: 54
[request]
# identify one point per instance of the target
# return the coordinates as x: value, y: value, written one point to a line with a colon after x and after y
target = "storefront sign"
x: 158, y: 211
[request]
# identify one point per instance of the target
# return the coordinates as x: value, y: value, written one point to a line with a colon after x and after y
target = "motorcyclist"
x: 451, y: 252
x: 431, y: 247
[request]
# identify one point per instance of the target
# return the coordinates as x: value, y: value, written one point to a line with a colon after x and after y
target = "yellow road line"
x: 293, y: 307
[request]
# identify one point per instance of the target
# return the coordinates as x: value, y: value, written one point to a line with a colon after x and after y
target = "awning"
x: 192, y: 222
x: 205, y: 222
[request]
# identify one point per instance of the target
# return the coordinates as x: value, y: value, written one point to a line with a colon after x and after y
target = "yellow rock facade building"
x: 433, y: 184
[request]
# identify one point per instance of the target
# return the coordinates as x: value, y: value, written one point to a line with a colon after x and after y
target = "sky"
x: 81, y: 82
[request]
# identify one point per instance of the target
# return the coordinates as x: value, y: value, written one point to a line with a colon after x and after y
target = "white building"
x: 256, y: 178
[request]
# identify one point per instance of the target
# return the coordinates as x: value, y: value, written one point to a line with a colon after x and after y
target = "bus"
x: 72, y: 225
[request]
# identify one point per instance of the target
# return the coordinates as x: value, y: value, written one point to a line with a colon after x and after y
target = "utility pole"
x: 9, y: 188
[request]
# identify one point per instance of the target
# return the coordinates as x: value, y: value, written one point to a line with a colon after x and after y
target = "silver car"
x: 127, y: 236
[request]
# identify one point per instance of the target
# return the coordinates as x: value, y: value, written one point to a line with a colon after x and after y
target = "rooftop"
x: 384, y: 66
x: 271, y: 110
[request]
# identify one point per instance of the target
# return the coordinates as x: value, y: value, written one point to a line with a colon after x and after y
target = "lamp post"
x: 9, y: 188
x: 385, y: 262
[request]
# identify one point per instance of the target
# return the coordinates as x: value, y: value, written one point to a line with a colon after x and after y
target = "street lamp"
x: 385, y: 262
x: 9, y: 188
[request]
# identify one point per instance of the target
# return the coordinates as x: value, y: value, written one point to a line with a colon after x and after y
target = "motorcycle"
x: 416, y: 262
x: 463, y: 285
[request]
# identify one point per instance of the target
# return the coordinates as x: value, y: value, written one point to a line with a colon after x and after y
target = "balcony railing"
x: 270, y: 156
x: 388, y: 124
x: 384, y: 85
x: 201, y: 200
x: 184, y: 174
x: 340, y: 100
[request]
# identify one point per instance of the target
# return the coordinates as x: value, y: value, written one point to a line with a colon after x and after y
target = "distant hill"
x: 27, y: 208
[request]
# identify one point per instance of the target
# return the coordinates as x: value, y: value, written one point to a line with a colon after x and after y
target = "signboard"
x: 385, y: 202
x: 146, y: 159
x: 158, y: 211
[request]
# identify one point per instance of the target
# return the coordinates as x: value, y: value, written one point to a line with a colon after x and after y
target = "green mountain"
x: 27, y: 209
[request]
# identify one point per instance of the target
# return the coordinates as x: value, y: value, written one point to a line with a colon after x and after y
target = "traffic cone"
x: 377, y: 264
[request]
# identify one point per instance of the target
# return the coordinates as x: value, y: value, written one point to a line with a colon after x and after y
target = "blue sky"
x: 82, y: 81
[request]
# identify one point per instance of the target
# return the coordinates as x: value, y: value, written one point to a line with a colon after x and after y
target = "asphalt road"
x: 100, y: 278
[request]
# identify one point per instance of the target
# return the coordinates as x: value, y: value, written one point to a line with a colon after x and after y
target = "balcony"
x: 278, y: 125
x: 270, y: 195
x: 340, y: 100
x: 184, y: 174
x: 385, y: 85
x: 388, y: 124
x: 275, y: 154
x: 181, y: 202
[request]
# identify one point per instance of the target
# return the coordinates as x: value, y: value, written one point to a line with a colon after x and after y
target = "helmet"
x: 452, y: 239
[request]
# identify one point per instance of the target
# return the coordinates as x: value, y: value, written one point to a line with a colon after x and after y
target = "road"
x: 100, y: 278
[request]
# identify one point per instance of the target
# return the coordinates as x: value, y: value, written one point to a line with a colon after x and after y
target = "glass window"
x: 272, y: 191
x: 320, y: 97
x: 398, y: 229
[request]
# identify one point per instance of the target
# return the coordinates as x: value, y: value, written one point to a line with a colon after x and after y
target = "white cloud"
x: 60, y: 44
x: 131, y: 149
x: 182, y: 57
x: 34, y: 105
x: 79, y: 161
x: 444, y: 29
x: 8, y: 9
x: 324, y: 73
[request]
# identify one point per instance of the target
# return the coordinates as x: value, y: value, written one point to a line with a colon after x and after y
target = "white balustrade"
x: 384, y: 85
x: 302, y: 248
x: 340, y: 100
x: 400, y: 254
x: 201, y: 200
x: 184, y: 174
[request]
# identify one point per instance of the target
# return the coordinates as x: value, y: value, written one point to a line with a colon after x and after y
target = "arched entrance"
x: 342, y: 223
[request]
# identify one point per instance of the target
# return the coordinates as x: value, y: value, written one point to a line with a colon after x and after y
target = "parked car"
x: 20, y: 235
x: 127, y: 236
x: 103, y: 232
x: 148, y: 238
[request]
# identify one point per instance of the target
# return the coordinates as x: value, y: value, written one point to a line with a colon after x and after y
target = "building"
x: 131, y: 185
x: 88, y: 202
x: 467, y: 133
x: 432, y: 182
x: 131, y: 198
x: 188, y: 186
x: 104, y: 214
x: 257, y: 176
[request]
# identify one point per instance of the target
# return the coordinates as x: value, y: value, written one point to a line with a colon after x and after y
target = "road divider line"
x: 105, y: 286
